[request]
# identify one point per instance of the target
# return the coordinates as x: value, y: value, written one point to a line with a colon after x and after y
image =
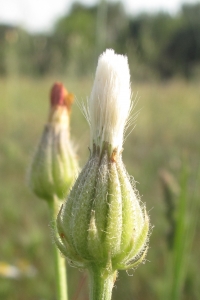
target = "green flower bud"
x: 103, y: 225
x: 54, y: 165
x: 103, y: 222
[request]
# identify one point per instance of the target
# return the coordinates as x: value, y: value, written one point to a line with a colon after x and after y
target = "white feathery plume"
x: 110, y: 100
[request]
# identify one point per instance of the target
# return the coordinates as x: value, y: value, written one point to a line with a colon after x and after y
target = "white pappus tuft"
x: 110, y: 100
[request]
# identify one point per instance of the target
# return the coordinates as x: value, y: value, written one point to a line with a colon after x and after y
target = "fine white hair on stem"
x: 110, y: 100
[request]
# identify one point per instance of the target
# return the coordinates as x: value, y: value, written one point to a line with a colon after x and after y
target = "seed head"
x: 103, y: 222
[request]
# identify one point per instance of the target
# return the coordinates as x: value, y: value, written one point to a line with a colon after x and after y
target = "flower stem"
x: 59, y: 261
x: 101, y: 284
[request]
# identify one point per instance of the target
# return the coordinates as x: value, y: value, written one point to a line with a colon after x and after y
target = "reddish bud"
x: 60, y: 96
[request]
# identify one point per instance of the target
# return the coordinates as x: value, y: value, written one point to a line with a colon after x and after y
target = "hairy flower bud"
x: 54, y: 166
x: 103, y: 225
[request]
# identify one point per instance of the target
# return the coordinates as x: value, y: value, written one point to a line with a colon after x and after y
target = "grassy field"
x: 165, y: 141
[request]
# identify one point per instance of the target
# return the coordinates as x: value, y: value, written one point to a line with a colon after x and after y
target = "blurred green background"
x: 161, y: 153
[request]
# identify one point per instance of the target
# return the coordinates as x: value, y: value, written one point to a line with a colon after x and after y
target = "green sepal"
x: 135, y: 248
x: 81, y: 210
x: 100, y: 212
x: 114, y: 215
x: 54, y: 165
x: 64, y: 217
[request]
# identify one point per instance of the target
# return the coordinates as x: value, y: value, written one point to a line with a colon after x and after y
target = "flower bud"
x: 54, y: 166
x: 102, y: 220
x: 103, y: 223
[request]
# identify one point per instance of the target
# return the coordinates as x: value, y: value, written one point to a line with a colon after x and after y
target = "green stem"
x: 101, y: 284
x: 60, y: 265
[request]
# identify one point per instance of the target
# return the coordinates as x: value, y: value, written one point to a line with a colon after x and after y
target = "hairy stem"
x: 101, y: 284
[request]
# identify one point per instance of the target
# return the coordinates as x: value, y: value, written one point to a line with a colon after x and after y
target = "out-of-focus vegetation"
x: 165, y: 139
x: 162, y: 153
x: 158, y: 45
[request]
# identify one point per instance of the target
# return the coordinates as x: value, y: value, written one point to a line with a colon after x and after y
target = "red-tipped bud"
x: 55, y: 166
x: 60, y: 96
